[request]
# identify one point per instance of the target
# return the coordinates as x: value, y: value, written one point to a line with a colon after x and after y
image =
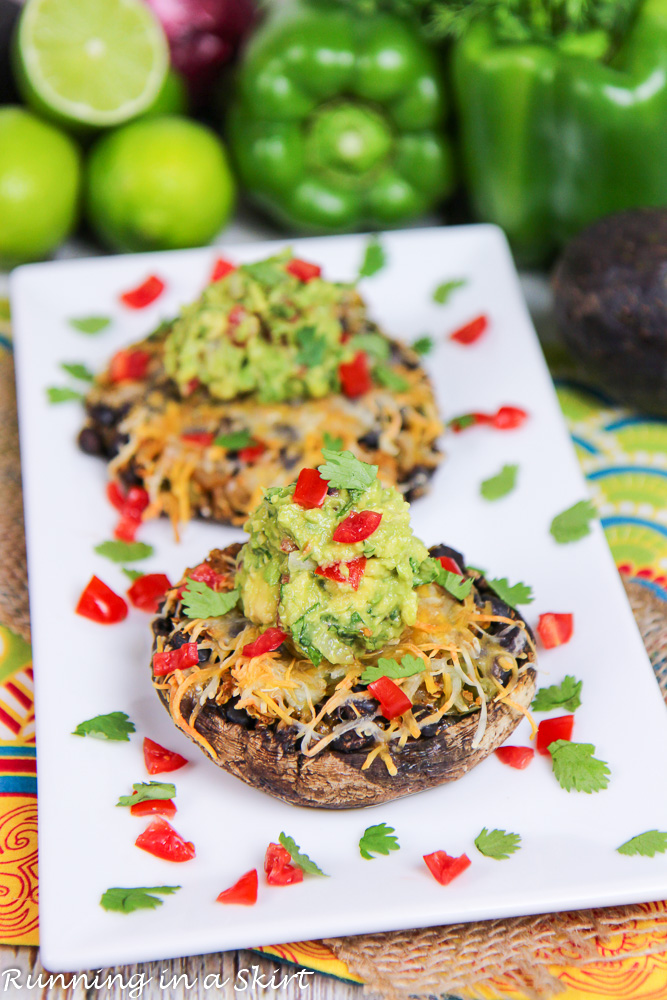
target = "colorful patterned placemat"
x: 624, y: 458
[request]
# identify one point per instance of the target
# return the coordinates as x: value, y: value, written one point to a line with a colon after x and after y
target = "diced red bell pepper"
x: 265, y: 643
x: 129, y: 366
x: 518, y: 757
x: 445, y: 868
x: 555, y: 629
x: 202, y: 438
x: 131, y: 503
x: 550, y: 730
x: 221, y: 269
x: 161, y: 840
x: 303, y: 270
x: 450, y: 565
x: 206, y: 574
x: 192, y: 385
x: 252, y: 452
x: 355, y: 570
x: 147, y: 591
x: 99, y: 603
x: 243, y: 892
x: 393, y: 701
x: 153, y: 807
x: 115, y: 495
x: 471, y: 332
x: 310, y: 489
x: 159, y: 760
x: 355, y: 376
x: 357, y: 526
x: 144, y: 294
x: 126, y: 528
x: 508, y: 418
x: 175, y: 659
x: 279, y: 868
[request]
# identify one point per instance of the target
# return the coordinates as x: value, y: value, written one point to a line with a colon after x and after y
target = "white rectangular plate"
x: 568, y: 856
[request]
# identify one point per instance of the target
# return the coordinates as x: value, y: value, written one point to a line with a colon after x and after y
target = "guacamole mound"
x: 328, y: 618
x: 263, y: 330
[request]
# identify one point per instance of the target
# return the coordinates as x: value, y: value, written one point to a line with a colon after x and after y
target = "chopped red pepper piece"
x: 203, y: 438
x: 175, y: 659
x: 555, y: 629
x: 243, y: 892
x: 518, y: 757
x: 303, y: 270
x: 99, y: 603
x: 144, y: 294
x: 129, y: 366
x: 310, y: 489
x: 355, y: 376
x: 206, y: 574
x: 126, y: 528
x: 252, y: 452
x: 471, y: 332
x: 445, y: 868
x: 450, y: 565
x: 279, y: 868
x: 161, y: 840
x: 147, y: 591
x: 221, y: 269
x: 507, y: 418
x: 115, y: 495
x: 393, y: 701
x: 265, y: 643
x: 159, y: 760
x: 550, y: 730
x: 357, y: 526
x: 355, y: 572
x: 152, y: 807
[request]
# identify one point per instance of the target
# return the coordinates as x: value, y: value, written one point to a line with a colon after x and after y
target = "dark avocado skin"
x: 610, y: 288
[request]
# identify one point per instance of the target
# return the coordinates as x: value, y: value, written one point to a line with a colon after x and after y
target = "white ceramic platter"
x: 568, y: 857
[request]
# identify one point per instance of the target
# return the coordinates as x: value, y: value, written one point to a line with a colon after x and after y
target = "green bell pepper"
x: 337, y: 122
x: 556, y: 135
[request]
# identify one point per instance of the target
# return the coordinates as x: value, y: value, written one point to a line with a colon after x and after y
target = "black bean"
x: 288, y: 461
x: 103, y: 414
x: 162, y: 626
x: 236, y: 628
x: 237, y: 715
x: 203, y: 655
x: 91, y: 442
x: 370, y: 440
x: 179, y: 639
x: 421, y: 712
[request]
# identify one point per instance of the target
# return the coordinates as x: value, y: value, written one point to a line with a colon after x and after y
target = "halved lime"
x: 90, y: 62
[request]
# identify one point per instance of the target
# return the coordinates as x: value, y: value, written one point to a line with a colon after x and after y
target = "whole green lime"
x: 40, y: 181
x: 159, y: 184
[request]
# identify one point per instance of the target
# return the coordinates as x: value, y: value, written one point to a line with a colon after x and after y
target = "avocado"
x: 610, y: 288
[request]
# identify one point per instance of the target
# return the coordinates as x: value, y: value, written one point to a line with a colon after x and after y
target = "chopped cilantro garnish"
x: 302, y: 860
x: 576, y: 768
x: 647, y: 844
x: 374, y: 260
x: 378, y: 839
x: 460, y: 423
x: 497, y: 844
x: 77, y: 370
x: 234, y: 441
x: 126, y: 900
x: 332, y: 443
x: 55, y: 394
x: 390, y: 379
x: 520, y: 593
x: 146, y: 791
x: 201, y: 601
x: 124, y: 551
x: 373, y: 344
x: 90, y: 324
x: 132, y: 574
x: 458, y: 586
x: 563, y: 695
x: 501, y: 484
x: 312, y: 348
x: 423, y: 345
x: 342, y: 470
x: 115, y: 726
x: 573, y: 523
x: 386, y: 667
x: 446, y: 289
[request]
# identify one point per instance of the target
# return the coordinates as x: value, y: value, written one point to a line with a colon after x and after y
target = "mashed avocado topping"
x: 337, y: 599
x: 265, y: 330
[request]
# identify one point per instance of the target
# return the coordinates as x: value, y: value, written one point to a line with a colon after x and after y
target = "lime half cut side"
x: 91, y: 62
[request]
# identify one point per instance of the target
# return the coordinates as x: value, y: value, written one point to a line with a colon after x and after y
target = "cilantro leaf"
x: 378, y: 839
x: 374, y: 260
x: 77, y: 370
x: 234, y: 441
x: 269, y: 272
x: 425, y: 572
x: 423, y: 345
x: 497, y: 844
x: 132, y: 574
x: 201, y: 601
x: 126, y: 900
x: 647, y: 844
x: 501, y: 484
x: 90, y: 324
x: 573, y: 523
x: 390, y: 379
x: 444, y: 291
x: 341, y: 469
x: 460, y: 423
x: 57, y: 395
x: 520, y: 593
x: 312, y: 348
x: 302, y: 860
x: 376, y: 346
x: 124, y: 551
x: 458, y: 586
x: 563, y: 695
x: 145, y: 791
x: 332, y: 443
x: 385, y: 667
x: 114, y: 726
x: 576, y: 768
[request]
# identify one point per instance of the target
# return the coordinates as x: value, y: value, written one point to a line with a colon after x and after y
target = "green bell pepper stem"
x: 554, y: 137
x: 337, y: 120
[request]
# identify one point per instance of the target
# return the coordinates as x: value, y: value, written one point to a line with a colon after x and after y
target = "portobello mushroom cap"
x: 268, y: 756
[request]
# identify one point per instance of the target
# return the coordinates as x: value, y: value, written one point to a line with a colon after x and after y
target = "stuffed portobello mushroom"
x: 247, y: 384
x: 333, y: 660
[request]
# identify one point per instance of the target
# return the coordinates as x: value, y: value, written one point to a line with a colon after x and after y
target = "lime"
x: 90, y: 62
x: 172, y: 99
x: 40, y: 179
x: 159, y: 184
